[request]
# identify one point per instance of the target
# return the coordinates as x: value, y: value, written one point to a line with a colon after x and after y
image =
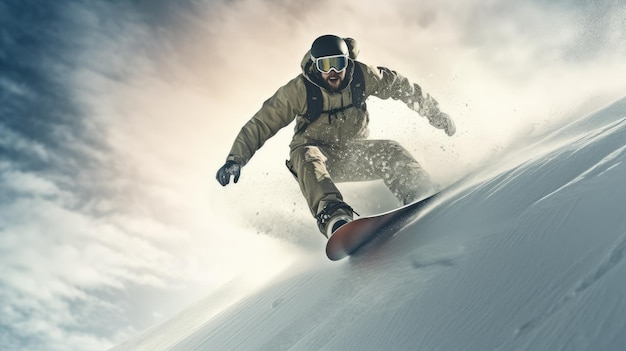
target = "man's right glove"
x: 429, y: 108
x: 230, y: 168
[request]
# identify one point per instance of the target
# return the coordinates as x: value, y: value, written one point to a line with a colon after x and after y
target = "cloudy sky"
x: 116, y: 115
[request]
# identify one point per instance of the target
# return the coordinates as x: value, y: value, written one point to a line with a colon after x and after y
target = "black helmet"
x: 329, y: 45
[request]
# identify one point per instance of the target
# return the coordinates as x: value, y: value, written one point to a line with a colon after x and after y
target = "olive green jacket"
x: 290, y: 102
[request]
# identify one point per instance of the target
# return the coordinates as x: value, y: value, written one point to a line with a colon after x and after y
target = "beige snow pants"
x: 317, y: 168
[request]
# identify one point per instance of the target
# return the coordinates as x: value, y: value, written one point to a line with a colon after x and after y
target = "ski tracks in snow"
x: 614, y: 258
x: 606, y: 164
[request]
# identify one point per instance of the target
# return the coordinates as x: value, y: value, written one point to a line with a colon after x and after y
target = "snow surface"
x: 526, y: 255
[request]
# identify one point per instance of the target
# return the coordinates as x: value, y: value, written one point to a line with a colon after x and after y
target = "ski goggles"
x: 328, y: 63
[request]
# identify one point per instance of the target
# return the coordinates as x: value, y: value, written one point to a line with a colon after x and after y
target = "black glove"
x: 230, y: 168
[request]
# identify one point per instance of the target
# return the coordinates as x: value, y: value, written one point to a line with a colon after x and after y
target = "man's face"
x: 334, y: 79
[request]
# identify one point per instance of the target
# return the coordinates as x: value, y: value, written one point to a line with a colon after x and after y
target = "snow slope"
x: 529, y: 256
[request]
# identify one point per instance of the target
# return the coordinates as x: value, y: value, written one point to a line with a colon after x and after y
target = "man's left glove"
x: 429, y: 108
x: 230, y: 168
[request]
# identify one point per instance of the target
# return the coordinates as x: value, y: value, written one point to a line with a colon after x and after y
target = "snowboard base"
x: 349, y: 238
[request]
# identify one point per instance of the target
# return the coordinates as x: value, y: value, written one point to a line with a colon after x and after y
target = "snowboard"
x: 351, y: 237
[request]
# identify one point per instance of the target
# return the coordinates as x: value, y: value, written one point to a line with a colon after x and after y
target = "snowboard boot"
x: 333, y: 216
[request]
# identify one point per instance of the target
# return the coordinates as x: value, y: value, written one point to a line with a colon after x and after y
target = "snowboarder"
x: 330, y: 143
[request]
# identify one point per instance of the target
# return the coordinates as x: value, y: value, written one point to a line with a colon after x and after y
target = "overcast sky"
x: 116, y: 115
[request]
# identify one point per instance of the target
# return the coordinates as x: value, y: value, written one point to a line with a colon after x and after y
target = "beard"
x: 334, y: 81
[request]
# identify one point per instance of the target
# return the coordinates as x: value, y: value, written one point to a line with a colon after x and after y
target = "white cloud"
x: 13, y: 142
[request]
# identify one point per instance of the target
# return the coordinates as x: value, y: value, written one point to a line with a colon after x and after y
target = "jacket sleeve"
x: 276, y: 113
x: 385, y: 83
